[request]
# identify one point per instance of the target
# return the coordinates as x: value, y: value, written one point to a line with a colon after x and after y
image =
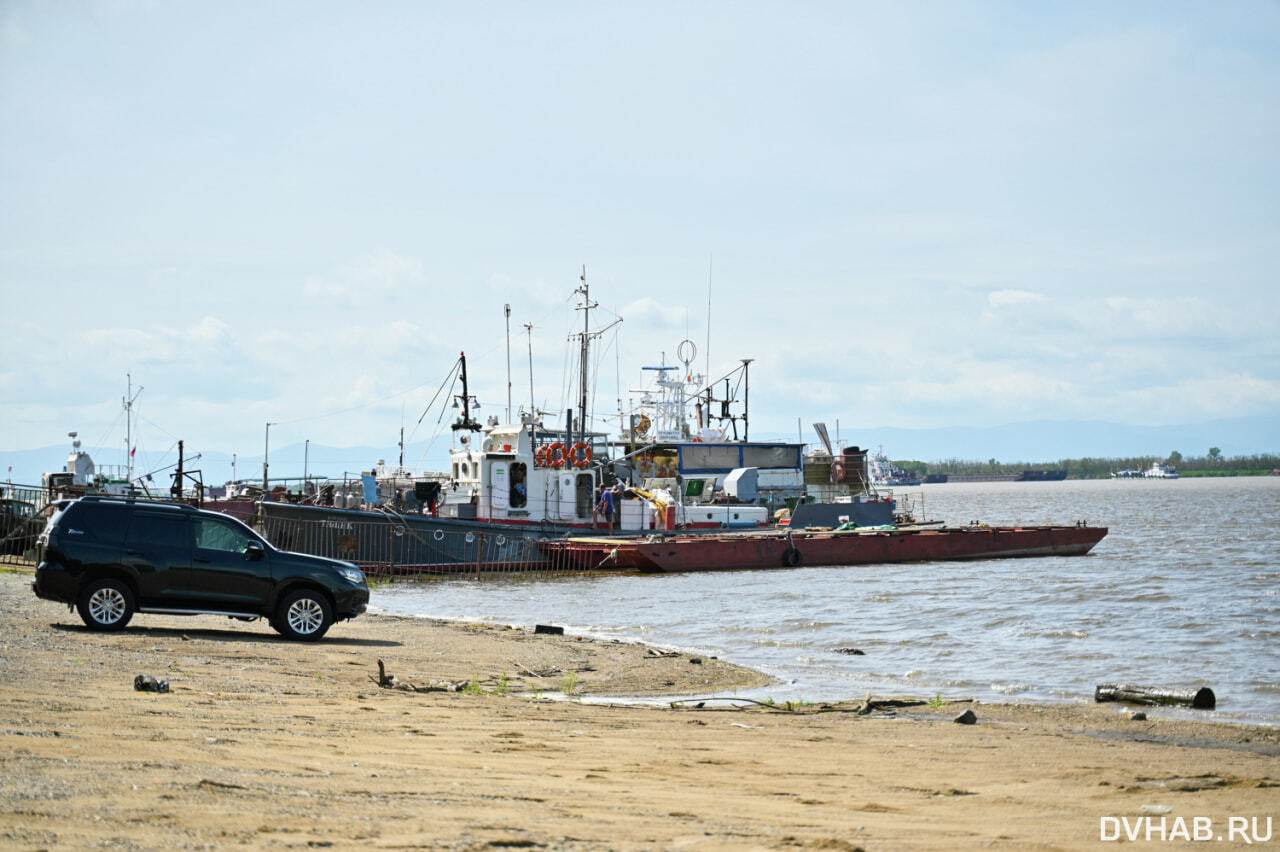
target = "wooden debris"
x: 1201, y: 699
x: 389, y: 681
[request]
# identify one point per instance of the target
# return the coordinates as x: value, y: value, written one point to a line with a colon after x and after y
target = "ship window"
x: 771, y: 457
x: 708, y: 457
x: 466, y: 470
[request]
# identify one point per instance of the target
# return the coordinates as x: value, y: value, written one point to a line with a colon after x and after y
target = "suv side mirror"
x: 253, y: 551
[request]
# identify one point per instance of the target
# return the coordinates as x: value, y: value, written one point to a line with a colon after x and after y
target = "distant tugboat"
x: 886, y: 474
x: 1156, y: 471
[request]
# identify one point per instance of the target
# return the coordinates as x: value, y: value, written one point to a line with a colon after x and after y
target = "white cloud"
x: 1007, y: 298
x: 651, y: 312
x: 377, y: 273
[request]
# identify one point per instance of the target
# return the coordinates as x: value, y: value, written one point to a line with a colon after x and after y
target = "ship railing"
x: 389, y: 547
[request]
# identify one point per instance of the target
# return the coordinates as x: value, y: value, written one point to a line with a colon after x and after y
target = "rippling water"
x: 1183, y: 591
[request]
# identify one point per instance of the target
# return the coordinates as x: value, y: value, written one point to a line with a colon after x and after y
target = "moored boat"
x: 827, y: 548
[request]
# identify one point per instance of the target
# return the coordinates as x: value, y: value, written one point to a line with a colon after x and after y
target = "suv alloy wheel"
x: 304, y: 614
x: 106, y: 605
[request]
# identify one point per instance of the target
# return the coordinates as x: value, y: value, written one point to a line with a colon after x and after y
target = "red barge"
x: 793, y: 548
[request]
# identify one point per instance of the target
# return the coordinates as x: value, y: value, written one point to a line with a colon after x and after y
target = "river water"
x: 1184, y: 591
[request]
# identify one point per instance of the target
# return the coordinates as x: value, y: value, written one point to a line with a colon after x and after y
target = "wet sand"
x: 266, y: 743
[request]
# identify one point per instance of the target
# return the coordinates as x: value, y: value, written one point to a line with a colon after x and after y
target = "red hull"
x: 773, y: 550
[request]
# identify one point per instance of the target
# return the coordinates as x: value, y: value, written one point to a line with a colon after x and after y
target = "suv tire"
x: 106, y: 605
x: 304, y: 615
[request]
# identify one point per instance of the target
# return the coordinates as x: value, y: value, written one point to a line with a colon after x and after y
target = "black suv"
x: 113, y: 556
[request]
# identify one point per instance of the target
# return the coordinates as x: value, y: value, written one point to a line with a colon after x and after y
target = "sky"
x: 908, y: 214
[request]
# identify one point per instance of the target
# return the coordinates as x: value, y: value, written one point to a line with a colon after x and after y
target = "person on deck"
x: 605, y: 506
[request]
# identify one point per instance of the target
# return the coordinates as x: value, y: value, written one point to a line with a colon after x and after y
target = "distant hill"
x: 1032, y: 442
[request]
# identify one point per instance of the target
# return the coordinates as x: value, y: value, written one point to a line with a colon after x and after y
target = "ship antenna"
x: 507, y: 310
x: 528, y: 327
x: 129, y: 400
x: 710, y: 261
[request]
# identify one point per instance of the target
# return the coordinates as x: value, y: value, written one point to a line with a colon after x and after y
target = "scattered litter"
x: 1156, y: 809
x: 549, y: 629
x: 147, y: 683
x: 968, y: 717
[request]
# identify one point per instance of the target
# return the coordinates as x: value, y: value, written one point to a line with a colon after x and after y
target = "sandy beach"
x: 265, y: 743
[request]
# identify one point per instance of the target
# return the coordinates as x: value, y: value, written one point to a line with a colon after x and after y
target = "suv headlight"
x: 352, y: 574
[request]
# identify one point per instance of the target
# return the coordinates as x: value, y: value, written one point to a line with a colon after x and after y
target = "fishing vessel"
x: 681, y: 472
x: 511, y: 485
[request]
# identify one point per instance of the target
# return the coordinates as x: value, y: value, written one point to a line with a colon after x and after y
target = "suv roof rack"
x: 135, y: 499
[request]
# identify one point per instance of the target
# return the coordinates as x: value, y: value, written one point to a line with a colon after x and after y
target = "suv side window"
x: 217, y: 534
x: 101, y: 522
x: 157, y: 530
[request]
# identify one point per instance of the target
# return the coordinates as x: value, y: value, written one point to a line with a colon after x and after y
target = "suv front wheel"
x: 106, y: 605
x: 304, y: 615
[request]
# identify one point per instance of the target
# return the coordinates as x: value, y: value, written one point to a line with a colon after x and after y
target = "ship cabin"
x: 522, y: 473
x: 724, y: 483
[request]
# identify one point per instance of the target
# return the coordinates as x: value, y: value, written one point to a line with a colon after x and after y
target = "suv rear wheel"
x: 106, y: 605
x: 304, y: 615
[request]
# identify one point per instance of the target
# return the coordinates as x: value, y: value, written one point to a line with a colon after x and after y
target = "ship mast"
x: 129, y: 399
x: 585, y: 307
x: 585, y: 339
x: 465, y: 422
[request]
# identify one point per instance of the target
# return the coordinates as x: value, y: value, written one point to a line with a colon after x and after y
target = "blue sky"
x: 910, y: 214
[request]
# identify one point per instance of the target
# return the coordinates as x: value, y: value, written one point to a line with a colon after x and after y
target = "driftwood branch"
x: 1201, y: 699
x: 390, y: 681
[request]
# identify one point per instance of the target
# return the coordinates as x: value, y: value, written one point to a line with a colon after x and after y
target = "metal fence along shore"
x: 383, y: 546
x: 388, y: 548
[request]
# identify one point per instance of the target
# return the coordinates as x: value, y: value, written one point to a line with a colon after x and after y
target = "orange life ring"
x: 555, y: 453
x: 579, y: 455
x: 837, y: 471
x: 543, y: 456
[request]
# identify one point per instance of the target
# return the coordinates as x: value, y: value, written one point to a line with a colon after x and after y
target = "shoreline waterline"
x: 1182, y: 592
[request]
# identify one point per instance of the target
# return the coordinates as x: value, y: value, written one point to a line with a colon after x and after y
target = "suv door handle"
x: 134, y: 553
x: 203, y: 561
